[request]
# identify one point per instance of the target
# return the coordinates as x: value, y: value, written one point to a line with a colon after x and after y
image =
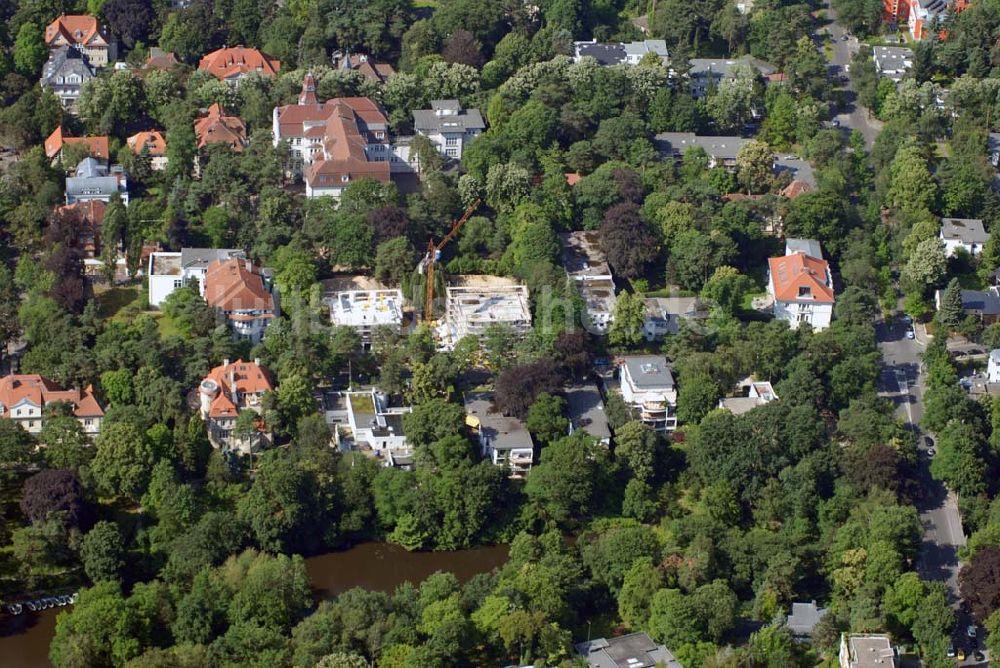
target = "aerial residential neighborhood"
x: 431, y: 333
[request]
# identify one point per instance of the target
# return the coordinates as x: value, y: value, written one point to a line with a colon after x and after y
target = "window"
x: 451, y: 141
x: 805, y: 291
x: 451, y: 152
x: 88, y: 422
x: 178, y: 283
x: 31, y: 424
x: 345, y: 178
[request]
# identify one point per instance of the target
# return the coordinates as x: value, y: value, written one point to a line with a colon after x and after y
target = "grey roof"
x: 740, y: 405
x: 586, y: 410
x: 99, y: 186
x: 635, y: 650
x: 63, y: 62
x: 721, y: 148
x: 804, y: 618
x: 871, y: 651
x: 810, y: 247
x: 966, y: 230
x: 200, y: 258
x: 892, y: 61
x: 800, y: 169
x: 649, y: 371
x: 504, y: 433
x: 90, y: 168
x: 984, y: 303
x: 657, y: 46
x: 604, y: 54
x: 720, y: 68
x: 457, y: 120
x: 993, y: 141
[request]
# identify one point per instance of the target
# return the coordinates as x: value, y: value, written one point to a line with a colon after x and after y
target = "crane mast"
x: 433, y: 253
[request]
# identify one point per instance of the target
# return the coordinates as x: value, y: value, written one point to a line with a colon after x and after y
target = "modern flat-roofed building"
x: 648, y: 387
x: 473, y: 303
x: 753, y: 393
x: 505, y: 441
x: 170, y: 270
x: 586, y: 265
x: 874, y: 650
x: 617, y: 53
x: 364, y: 310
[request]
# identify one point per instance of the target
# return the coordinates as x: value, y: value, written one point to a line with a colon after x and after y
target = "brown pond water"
x: 24, y: 642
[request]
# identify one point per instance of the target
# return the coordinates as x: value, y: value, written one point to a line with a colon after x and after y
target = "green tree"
x: 102, y: 552
x: 566, y: 480
x: 30, y: 50
x: 66, y: 444
x: 754, y: 164
x: 545, y: 418
x: 395, y: 259
x: 950, y: 314
x: 636, y: 446
x: 726, y: 288
x: 123, y: 461
x: 627, y: 320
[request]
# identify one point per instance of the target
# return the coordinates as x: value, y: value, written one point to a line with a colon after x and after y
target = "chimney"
x: 225, y: 362
x: 256, y: 360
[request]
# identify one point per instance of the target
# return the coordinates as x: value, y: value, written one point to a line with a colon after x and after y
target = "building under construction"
x: 473, y: 303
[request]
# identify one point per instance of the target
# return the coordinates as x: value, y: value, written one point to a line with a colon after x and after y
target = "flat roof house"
x: 585, y: 263
x: 874, y: 650
x: 448, y: 126
x: 617, y: 53
x: 505, y: 441
x: 753, y: 394
x: 635, y: 650
x: 648, y: 387
x: 966, y: 233
x: 170, y: 270
x: 364, y: 310
x: 585, y: 408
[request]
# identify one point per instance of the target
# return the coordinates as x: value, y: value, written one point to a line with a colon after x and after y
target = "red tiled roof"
x: 239, y: 377
x: 41, y: 391
x: 160, y: 60
x: 233, y: 61
x: 75, y: 29
x: 215, y: 127
x: 154, y: 139
x: 798, y: 270
x: 572, y: 178
x: 796, y: 188
x: 231, y: 286
x: 96, y: 146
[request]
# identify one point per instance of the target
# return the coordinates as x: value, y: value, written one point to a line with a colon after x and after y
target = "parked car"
x: 951, y: 651
x: 971, y: 630
x: 910, y: 334
x: 961, y: 654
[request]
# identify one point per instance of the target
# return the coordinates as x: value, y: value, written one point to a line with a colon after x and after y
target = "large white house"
x: 23, y: 398
x: 648, y: 388
x: 364, y: 310
x: 448, y: 126
x: 801, y: 285
x: 170, y: 270
x: 965, y: 233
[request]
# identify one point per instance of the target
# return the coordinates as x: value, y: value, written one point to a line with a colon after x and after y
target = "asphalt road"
x: 902, y: 381
x: 853, y: 116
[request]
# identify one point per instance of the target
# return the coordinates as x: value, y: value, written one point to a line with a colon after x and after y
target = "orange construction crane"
x: 432, y: 256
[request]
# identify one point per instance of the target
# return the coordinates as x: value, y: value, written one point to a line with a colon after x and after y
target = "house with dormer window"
x: 801, y: 285
x: 84, y: 34
x: 23, y: 398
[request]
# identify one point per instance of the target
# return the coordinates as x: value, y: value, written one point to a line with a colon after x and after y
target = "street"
x: 902, y: 381
x: 853, y: 116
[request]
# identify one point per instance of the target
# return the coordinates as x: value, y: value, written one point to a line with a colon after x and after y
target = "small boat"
x: 74, y: 597
x: 15, y: 608
x: 62, y: 600
x: 32, y: 606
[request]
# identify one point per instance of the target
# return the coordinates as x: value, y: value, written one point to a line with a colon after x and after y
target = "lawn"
x: 111, y: 301
x: 166, y: 325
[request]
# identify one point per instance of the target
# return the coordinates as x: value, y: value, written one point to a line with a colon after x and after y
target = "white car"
x: 910, y: 334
